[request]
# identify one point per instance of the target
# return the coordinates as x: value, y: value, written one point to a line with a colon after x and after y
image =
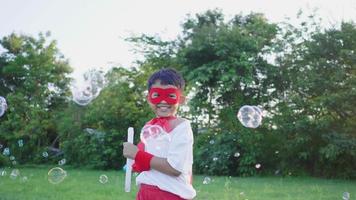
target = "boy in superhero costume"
x: 164, y: 156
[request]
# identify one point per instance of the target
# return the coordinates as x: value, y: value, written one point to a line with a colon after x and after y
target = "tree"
x: 319, y: 80
x: 34, y: 80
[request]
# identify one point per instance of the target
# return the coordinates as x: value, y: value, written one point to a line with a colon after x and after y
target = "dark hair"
x: 167, y: 76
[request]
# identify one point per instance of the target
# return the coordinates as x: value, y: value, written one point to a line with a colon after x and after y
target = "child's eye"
x: 173, y: 96
x: 154, y: 95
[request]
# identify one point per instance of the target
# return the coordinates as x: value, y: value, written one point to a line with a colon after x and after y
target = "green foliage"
x: 319, y: 80
x: 34, y: 80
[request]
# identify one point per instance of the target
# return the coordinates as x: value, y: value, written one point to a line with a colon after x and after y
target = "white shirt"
x: 177, y: 147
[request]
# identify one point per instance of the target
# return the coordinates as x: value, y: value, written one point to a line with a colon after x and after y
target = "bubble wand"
x: 130, y: 135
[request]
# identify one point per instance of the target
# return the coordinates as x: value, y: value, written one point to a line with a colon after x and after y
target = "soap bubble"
x: 257, y: 110
x: 206, y: 180
x: 90, y: 131
x: 20, y: 143
x: 62, y: 162
x: 3, y: 106
x: 3, y: 172
x: 250, y: 116
x: 95, y: 134
x: 215, y: 159
x: 24, y: 179
x: 346, y: 196
x: 6, y: 152
x: 82, y: 95
x: 45, y: 154
x: 90, y: 87
x: 103, y: 179
x: 56, y: 175
x: 12, y: 158
x: 124, y: 168
x: 258, y: 166
x: 237, y: 154
x: 96, y: 80
x: 151, y: 132
x: 212, y: 142
x: 14, y: 173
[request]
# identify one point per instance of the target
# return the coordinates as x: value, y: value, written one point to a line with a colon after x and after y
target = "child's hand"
x: 130, y: 150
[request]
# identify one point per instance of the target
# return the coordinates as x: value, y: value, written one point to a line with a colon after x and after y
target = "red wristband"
x: 143, y: 159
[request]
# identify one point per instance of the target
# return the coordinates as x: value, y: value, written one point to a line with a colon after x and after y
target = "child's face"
x: 164, y: 108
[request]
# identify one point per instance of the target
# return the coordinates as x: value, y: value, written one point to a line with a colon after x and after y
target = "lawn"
x: 83, y: 184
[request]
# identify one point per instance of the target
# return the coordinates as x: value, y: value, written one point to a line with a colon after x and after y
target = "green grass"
x: 84, y: 185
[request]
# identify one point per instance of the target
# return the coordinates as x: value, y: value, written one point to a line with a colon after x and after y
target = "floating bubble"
x: 124, y: 168
x: 212, y: 142
x: 6, y: 152
x: 206, y: 180
x: 14, y: 162
x: 3, y: 106
x: 242, y: 193
x: 20, y: 143
x: 346, y: 196
x: 250, y: 116
x: 1, y: 146
x: 276, y: 172
x: 257, y: 110
x: 237, y: 154
x: 276, y: 152
x: 62, y: 162
x: 90, y: 131
x: 45, y: 154
x: 24, y: 179
x: 96, y: 80
x: 258, y: 166
x: 14, y: 173
x: 154, y: 133
x: 103, y: 179
x: 82, y: 95
x: 12, y: 158
x: 3, y: 172
x: 215, y: 159
x: 56, y: 175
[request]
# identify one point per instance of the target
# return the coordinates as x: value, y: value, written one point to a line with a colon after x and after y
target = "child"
x: 165, y: 154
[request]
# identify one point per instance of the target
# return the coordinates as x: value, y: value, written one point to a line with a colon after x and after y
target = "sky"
x: 91, y: 33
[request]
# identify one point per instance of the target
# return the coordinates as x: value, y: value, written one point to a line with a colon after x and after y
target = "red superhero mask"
x: 169, y: 95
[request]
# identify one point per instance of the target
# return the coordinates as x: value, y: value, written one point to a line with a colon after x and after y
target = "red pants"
x: 150, y: 192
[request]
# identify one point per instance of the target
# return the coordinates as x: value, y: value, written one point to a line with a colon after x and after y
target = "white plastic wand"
x: 130, y: 136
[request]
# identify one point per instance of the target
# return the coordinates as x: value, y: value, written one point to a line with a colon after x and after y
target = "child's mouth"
x: 163, y: 108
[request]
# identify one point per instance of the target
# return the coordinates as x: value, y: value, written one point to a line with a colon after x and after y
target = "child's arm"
x: 162, y: 165
x: 157, y: 163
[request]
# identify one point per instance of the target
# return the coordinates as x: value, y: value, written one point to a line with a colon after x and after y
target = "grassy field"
x: 85, y: 185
